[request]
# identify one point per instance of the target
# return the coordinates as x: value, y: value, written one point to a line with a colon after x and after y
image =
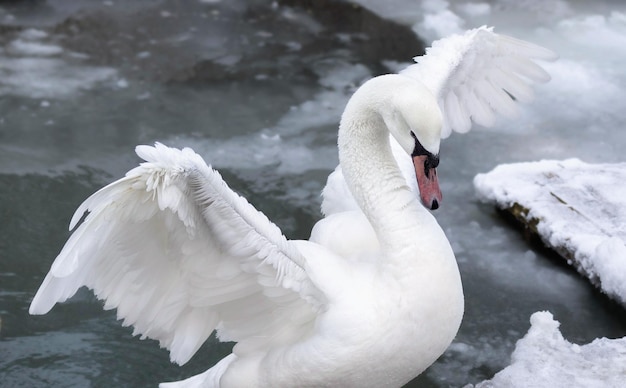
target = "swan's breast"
x: 347, y: 234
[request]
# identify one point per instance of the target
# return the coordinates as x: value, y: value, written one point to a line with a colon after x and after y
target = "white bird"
x: 371, y: 300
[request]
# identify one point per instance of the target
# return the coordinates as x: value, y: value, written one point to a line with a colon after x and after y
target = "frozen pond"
x: 257, y: 89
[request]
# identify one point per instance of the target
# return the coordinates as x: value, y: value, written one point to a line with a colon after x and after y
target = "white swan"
x: 371, y: 300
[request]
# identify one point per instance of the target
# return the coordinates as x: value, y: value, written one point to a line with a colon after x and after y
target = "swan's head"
x: 414, y: 119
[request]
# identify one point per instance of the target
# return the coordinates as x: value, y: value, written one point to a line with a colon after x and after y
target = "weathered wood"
x: 576, y: 209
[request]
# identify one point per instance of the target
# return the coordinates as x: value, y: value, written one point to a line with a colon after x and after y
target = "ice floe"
x: 34, y: 67
x: 578, y: 209
x: 543, y: 358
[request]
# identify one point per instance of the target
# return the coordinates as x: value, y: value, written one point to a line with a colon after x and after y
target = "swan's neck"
x: 375, y: 180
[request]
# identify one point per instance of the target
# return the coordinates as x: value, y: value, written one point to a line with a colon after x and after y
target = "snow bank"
x: 578, y: 209
x: 543, y: 358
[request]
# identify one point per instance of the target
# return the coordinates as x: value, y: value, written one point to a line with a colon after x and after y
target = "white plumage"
x: 148, y: 247
x: 372, y: 299
x: 478, y: 75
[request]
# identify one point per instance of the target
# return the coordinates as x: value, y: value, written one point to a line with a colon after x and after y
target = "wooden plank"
x: 577, y: 209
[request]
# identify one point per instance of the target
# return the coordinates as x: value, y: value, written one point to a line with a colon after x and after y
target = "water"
x: 257, y: 90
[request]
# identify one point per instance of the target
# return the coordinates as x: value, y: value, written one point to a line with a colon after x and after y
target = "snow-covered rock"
x: 578, y: 209
x: 543, y: 358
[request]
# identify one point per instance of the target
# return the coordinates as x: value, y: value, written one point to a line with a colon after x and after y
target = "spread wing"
x: 179, y: 254
x: 478, y: 75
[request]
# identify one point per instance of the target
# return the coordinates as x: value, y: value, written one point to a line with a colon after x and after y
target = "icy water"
x: 257, y: 89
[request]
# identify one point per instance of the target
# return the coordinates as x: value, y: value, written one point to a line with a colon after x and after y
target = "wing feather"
x: 179, y: 255
x: 479, y: 74
x: 480, y: 110
x: 455, y: 113
x: 512, y: 84
x: 524, y: 67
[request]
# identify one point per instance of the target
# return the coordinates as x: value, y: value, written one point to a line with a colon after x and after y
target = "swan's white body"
x: 372, y: 299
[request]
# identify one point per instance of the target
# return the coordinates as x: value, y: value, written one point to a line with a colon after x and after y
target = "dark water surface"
x: 257, y: 89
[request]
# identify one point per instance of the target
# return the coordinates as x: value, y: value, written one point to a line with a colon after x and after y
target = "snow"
x: 34, y: 48
x: 543, y: 358
x: 580, y: 209
x: 438, y: 21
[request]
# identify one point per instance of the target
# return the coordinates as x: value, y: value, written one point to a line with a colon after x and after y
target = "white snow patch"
x: 610, y: 265
x: 580, y: 209
x: 22, y: 47
x: 596, y: 31
x: 438, y: 21
x: 543, y: 358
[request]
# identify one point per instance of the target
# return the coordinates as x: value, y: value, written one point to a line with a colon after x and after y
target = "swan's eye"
x: 432, y: 161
